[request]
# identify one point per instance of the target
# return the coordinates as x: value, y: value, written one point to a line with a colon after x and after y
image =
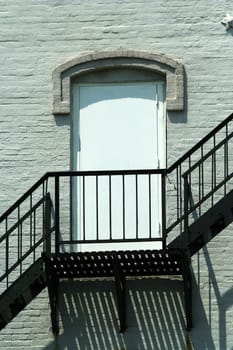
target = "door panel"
x: 118, y: 127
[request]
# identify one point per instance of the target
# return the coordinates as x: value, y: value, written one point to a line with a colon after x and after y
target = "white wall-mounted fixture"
x: 227, y: 21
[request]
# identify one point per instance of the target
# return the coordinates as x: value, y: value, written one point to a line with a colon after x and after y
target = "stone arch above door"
x: 172, y: 70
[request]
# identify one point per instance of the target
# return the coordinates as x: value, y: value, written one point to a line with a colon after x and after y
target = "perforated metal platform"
x: 129, y: 263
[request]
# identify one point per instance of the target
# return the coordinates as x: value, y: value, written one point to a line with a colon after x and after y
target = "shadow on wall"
x: 215, y: 318
x: 155, y: 316
x: 155, y: 313
x: 89, y: 319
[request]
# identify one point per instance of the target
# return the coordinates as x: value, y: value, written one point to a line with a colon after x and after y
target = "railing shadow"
x: 216, y: 306
x: 201, y: 335
x: 155, y: 315
x: 89, y: 319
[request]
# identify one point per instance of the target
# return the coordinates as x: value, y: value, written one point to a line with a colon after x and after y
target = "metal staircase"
x: 207, y: 226
x: 22, y: 292
x: 37, y: 247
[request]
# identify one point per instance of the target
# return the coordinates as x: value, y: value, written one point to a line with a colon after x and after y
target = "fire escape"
x: 37, y: 248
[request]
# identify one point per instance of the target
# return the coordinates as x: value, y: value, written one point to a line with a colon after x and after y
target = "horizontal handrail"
x: 106, y: 172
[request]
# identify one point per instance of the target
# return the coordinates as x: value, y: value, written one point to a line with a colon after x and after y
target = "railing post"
x: 163, y: 198
x: 186, y: 214
x: 57, y: 214
x: 47, y: 224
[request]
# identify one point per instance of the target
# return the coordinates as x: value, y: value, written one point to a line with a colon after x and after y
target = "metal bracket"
x: 187, y: 283
x: 53, y: 284
x: 120, y: 294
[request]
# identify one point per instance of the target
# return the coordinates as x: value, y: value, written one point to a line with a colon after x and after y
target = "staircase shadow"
x: 216, y: 300
x: 155, y: 316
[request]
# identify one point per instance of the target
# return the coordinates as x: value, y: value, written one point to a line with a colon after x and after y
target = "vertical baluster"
x: 57, y: 213
x: 123, y: 206
x: 19, y: 240
x: 186, y: 211
x: 43, y: 207
x: 7, y: 253
x: 18, y: 232
x: 110, y: 206
x: 177, y: 194
x: 97, y: 206
x: 227, y: 154
x: 199, y: 189
x: 225, y: 159
x: 181, y: 198
x: 71, y: 208
x: 163, y: 192
x: 189, y: 187
x: 202, y: 173
x: 136, y: 185
x: 47, y: 232
x: 34, y: 234
x: 21, y: 245
x: 212, y: 180
x: 189, y: 162
x: 190, y: 200
x: 30, y: 233
x: 84, y: 209
x: 150, y: 234
x: 213, y: 175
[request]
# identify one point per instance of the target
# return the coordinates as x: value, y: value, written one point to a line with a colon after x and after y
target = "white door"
x: 118, y: 127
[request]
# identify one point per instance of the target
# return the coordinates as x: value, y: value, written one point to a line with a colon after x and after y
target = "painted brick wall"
x: 37, y: 36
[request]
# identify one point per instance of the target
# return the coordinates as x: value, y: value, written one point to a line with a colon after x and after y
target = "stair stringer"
x: 206, y: 227
x: 22, y: 292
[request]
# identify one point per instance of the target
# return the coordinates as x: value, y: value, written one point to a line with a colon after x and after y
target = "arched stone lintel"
x: 171, y: 69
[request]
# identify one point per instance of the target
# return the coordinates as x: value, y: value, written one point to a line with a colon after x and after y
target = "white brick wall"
x: 37, y: 36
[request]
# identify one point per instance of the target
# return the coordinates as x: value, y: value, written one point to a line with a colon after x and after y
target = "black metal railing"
x: 210, y: 178
x: 201, y: 177
x: 127, y: 208
x: 103, y: 207
x: 25, y: 232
